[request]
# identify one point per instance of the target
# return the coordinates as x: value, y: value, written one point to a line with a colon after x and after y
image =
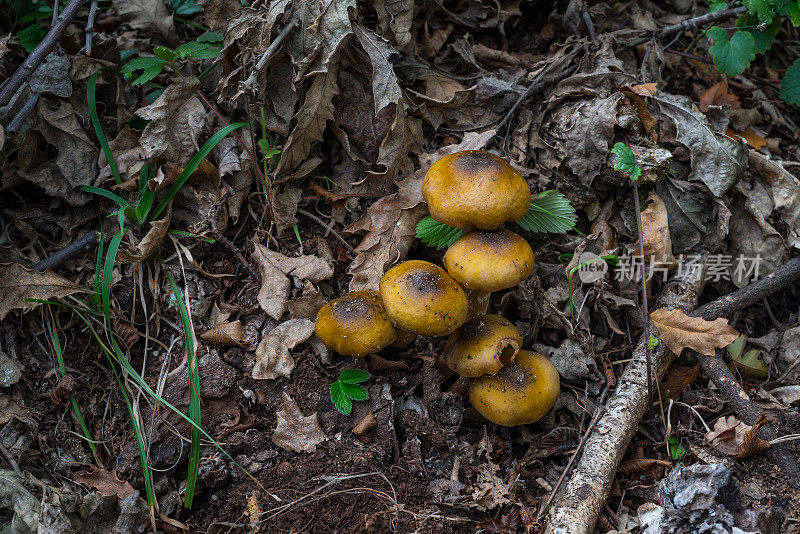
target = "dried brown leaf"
x: 227, y: 333
x: 149, y: 242
x: 736, y: 439
x: 18, y: 283
x: 273, y: 358
x: 275, y: 285
x: 296, y: 432
x: 717, y: 95
x: 679, y: 331
x: 640, y: 465
x: 106, y: 482
x: 655, y: 231
x: 149, y: 16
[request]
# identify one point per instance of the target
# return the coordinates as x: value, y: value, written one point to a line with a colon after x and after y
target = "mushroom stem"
x: 478, y: 302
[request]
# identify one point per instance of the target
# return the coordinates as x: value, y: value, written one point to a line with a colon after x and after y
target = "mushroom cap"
x: 421, y: 297
x: 475, y: 188
x: 520, y: 393
x: 477, y: 348
x: 489, y: 260
x: 355, y: 325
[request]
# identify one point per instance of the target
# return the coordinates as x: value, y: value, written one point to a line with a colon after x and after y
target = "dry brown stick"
x: 36, y: 57
x: 579, y: 504
x: 695, y: 22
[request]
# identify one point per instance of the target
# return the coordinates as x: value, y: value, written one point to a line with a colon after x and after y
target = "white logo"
x: 591, y: 268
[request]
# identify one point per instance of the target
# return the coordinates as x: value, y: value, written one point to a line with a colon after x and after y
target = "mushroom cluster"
x: 477, y: 192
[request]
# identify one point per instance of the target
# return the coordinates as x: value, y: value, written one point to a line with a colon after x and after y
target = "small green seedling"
x: 652, y: 342
x: 347, y: 389
x: 626, y: 161
x: 207, y: 46
x: 550, y: 212
x: 676, y: 450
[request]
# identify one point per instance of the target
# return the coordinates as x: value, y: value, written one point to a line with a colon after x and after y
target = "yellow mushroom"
x: 489, y: 260
x: 422, y: 298
x: 520, y: 393
x: 477, y: 348
x: 355, y: 325
x: 475, y: 189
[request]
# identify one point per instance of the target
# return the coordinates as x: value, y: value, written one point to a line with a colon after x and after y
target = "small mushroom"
x: 475, y: 189
x: 520, y: 393
x: 355, y: 325
x: 477, y: 348
x: 489, y: 260
x: 422, y: 298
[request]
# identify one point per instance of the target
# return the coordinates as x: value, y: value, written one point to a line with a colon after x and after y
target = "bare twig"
x: 11, y: 460
x: 228, y: 243
x: 17, y: 122
x: 533, y: 88
x: 587, y: 19
x: 328, y: 227
x: 273, y: 46
x: 36, y: 57
x: 87, y: 48
x: 695, y: 22
x: 87, y: 240
x: 645, y: 311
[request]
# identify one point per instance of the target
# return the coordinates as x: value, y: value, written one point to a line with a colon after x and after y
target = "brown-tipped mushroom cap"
x: 476, y: 348
x: 520, y: 393
x: 475, y: 189
x: 355, y: 325
x: 489, y: 260
x: 421, y: 297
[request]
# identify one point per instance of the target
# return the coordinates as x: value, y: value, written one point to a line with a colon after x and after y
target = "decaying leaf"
x: 679, y: 331
x: 18, y: 283
x: 736, y: 439
x: 656, y: 241
x: 227, y: 333
x: 784, y: 190
x: 275, y: 285
x: 177, y: 118
x: 677, y: 378
x: 150, y: 16
x: 718, y: 95
x: 272, y: 354
x: 149, y: 242
x: 305, y: 267
x: 296, y: 432
x: 106, y: 482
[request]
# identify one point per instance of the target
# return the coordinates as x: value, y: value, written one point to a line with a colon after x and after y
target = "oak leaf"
x: 679, y: 331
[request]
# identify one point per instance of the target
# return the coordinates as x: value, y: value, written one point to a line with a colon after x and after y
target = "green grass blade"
x: 121, y: 202
x: 194, y: 396
x: 193, y: 164
x: 78, y: 415
x: 101, y: 136
x: 108, y: 269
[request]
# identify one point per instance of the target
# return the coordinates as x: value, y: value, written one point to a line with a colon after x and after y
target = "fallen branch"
x: 578, y: 506
x: 36, y: 57
x: 695, y: 22
x: 87, y: 240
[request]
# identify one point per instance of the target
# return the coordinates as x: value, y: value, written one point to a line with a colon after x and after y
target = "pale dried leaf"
x: 18, y: 283
x: 106, y: 482
x: 308, y: 304
x: 272, y: 354
x: 176, y: 120
x: 385, y: 87
x: 148, y: 244
x: 784, y: 190
x: 787, y: 394
x: 395, y: 17
x: 225, y: 334
x: 655, y: 229
x: 679, y: 331
x: 305, y: 267
x: 275, y: 285
x: 733, y: 438
x: 149, y: 16
x: 717, y: 160
x: 128, y: 154
x: 296, y: 432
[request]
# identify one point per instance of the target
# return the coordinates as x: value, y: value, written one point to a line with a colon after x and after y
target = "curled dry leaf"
x: 736, y: 439
x: 148, y: 244
x: 272, y: 354
x: 679, y: 331
x: 275, y: 285
x: 656, y: 241
x: 106, y: 482
x: 642, y: 464
x: 296, y: 432
x: 18, y: 283
x: 149, y: 16
x: 224, y: 334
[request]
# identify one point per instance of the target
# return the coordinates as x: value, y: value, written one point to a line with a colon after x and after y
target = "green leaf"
x: 551, y: 212
x: 210, y: 37
x: 790, y: 85
x: 185, y: 7
x: 717, y: 5
x: 355, y: 392
x: 165, y: 53
x: 150, y: 67
x: 353, y: 376
x: 121, y: 202
x: 676, y: 450
x: 751, y: 365
x: 340, y: 400
x: 794, y: 14
x: 652, y: 342
x: 731, y: 56
x: 436, y: 234
x: 763, y: 36
x: 197, y: 50
x: 626, y: 161
x: 766, y: 9
x: 736, y: 348
x: 30, y: 37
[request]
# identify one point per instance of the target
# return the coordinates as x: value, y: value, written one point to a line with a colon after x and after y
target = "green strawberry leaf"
x: 731, y: 56
x: 626, y: 161
x: 354, y: 391
x: 340, y: 400
x: 353, y: 376
x: 551, y: 212
x: 790, y: 85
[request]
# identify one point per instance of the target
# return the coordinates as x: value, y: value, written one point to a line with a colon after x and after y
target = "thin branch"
x: 695, y: 22
x: 273, y: 46
x: 87, y: 48
x: 36, y: 57
x: 587, y: 19
x: 84, y: 242
x: 17, y: 122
